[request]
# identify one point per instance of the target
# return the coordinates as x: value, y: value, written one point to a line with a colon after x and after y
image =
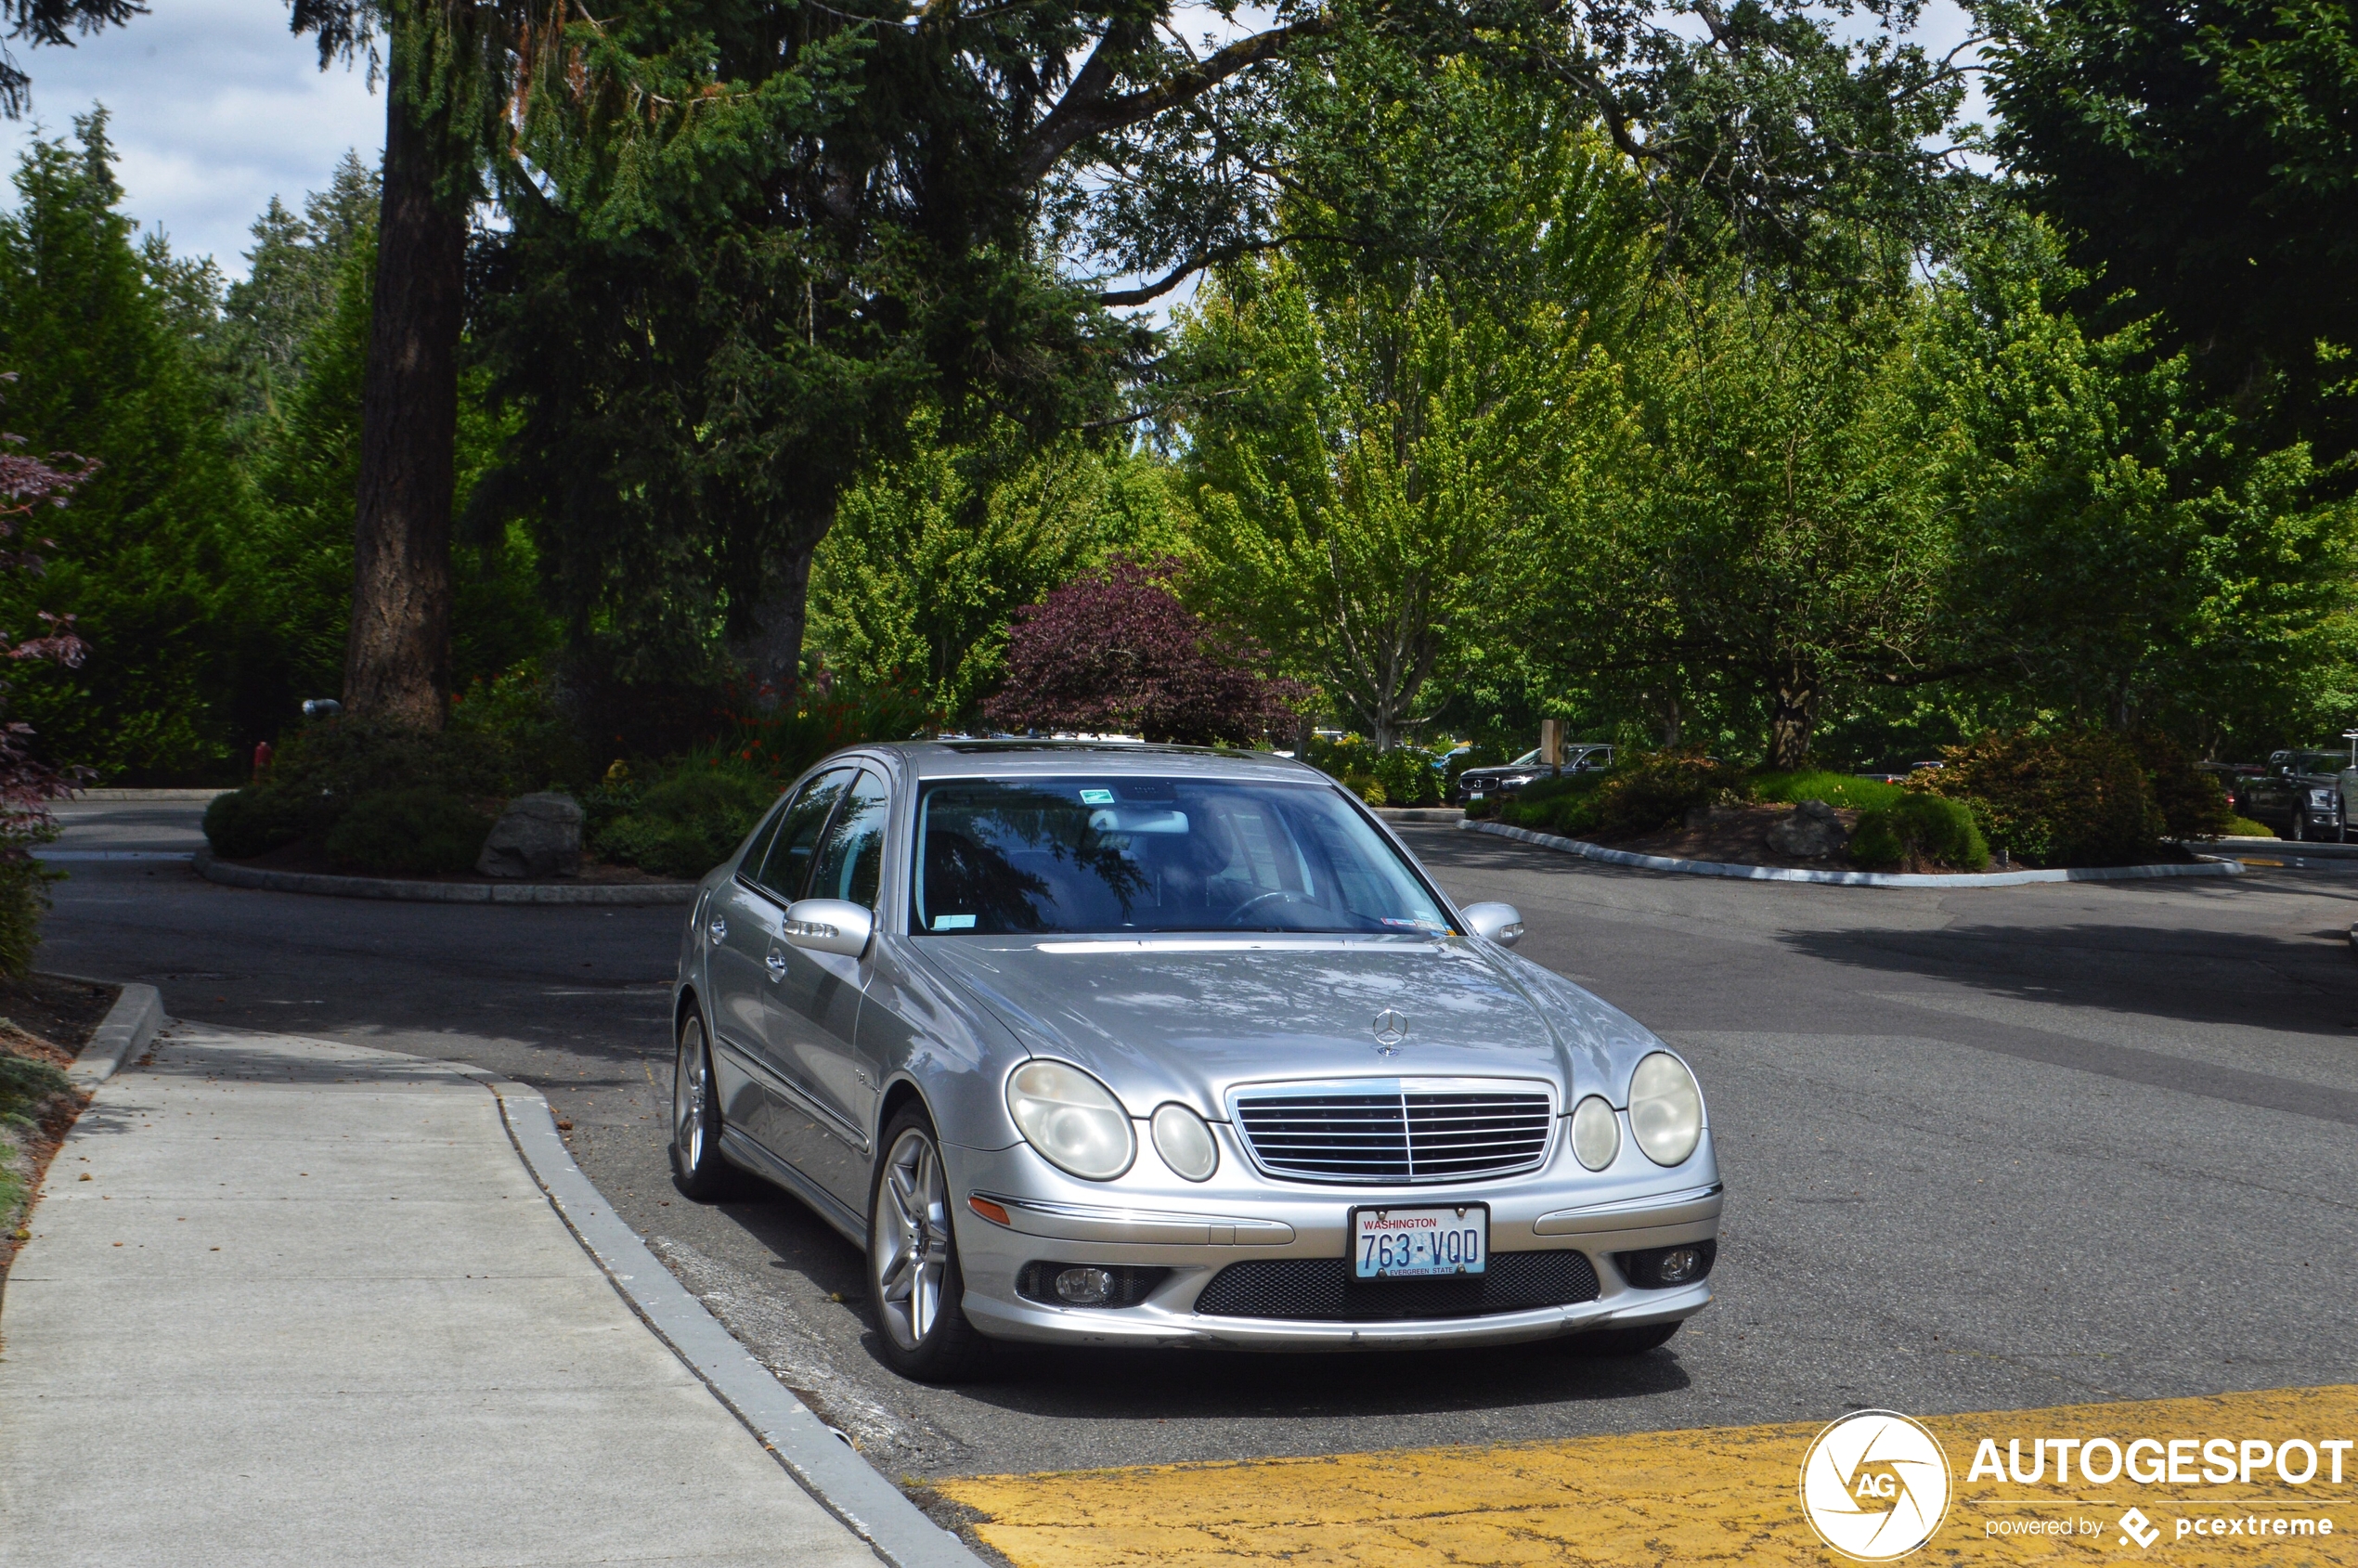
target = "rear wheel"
x: 913, y: 1276
x: 1604, y: 1343
x: 696, y: 1168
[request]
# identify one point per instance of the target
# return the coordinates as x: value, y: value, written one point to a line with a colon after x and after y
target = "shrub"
x: 415, y: 832
x: 1407, y: 777
x: 2192, y: 804
x: 253, y: 820
x: 1565, y: 805
x: 2244, y: 828
x: 24, y: 895
x: 2078, y: 798
x: 1657, y: 790
x: 687, y: 822
x: 1916, y: 829
x: 1846, y: 791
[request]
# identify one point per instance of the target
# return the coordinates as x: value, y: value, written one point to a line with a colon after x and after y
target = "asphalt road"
x: 1984, y: 1148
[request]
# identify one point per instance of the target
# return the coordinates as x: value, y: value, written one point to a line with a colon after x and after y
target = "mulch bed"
x: 45, y: 1020
x: 304, y: 856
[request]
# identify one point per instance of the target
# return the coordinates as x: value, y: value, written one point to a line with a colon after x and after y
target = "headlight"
x: 1071, y: 1119
x: 2322, y: 798
x: 1515, y: 779
x: 1596, y: 1132
x: 1666, y: 1108
x: 1184, y: 1143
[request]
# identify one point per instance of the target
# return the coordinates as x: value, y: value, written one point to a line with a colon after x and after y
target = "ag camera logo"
x: 1875, y: 1485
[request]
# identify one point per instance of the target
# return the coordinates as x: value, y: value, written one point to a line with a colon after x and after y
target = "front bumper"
x: 1241, y: 1217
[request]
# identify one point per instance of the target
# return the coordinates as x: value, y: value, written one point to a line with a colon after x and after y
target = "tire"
x: 2299, y: 833
x: 914, y: 1282
x: 1605, y: 1343
x: 697, y: 1168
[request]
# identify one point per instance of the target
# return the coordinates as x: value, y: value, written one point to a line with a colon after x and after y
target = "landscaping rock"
x: 537, y: 836
x: 1811, y: 830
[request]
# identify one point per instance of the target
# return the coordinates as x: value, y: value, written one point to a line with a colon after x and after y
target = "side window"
x: 759, y: 850
x: 788, y: 865
x: 852, y: 863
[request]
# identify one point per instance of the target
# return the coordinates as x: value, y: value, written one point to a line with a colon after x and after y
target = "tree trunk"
x: 397, y: 661
x: 773, y: 655
x: 1792, y: 715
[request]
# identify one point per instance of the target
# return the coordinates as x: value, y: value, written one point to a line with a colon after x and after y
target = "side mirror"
x: 829, y: 926
x: 1501, y: 923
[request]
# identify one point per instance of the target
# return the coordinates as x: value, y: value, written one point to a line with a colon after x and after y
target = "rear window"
x: 1083, y: 855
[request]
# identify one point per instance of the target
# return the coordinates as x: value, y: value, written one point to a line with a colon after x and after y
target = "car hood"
x: 1184, y: 1019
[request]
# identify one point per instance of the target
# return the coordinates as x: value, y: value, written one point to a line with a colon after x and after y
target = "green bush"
x: 1407, y: 777
x: 1565, y: 805
x: 253, y: 820
x: 414, y: 832
x: 687, y: 822
x: 1918, y: 828
x: 1656, y: 790
x: 2192, y: 804
x: 2244, y: 828
x: 24, y: 894
x: 1847, y: 791
x: 2073, y: 798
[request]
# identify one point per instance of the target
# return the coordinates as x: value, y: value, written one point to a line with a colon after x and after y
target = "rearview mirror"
x: 829, y: 926
x: 1501, y: 923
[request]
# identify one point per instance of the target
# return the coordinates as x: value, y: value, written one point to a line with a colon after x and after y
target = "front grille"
x: 1397, y: 1133
x: 1323, y: 1288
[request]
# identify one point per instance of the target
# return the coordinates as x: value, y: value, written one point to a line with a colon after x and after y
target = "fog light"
x: 1679, y: 1265
x: 1665, y: 1268
x: 1084, y: 1287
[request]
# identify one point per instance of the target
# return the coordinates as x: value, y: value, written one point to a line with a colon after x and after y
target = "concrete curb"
x: 817, y: 1456
x: 2304, y: 848
x: 402, y: 889
x: 2207, y: 866
x: 1420, y: 813
x: 129, y: 1025
x: 103, y: 795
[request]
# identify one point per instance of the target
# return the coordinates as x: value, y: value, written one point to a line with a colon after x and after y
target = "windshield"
x: 1085, y: 855
x: 2319, y: 761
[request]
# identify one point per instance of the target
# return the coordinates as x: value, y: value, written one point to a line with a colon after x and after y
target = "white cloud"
x: 216, y: 107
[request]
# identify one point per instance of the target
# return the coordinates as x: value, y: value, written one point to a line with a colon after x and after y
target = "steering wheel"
x: 1237, y: 913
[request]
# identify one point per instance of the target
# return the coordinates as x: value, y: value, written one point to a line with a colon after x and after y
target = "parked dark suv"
x: 1508, y: 778
x: 2303, y: 794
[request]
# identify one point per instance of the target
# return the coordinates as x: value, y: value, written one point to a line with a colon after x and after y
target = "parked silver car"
x: 1145, y: 1045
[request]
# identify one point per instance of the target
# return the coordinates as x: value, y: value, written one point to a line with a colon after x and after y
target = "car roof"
x: 1048, y: 758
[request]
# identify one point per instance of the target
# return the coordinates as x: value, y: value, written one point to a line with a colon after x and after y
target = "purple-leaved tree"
x: 1115, y: 651
x: 28, y: 782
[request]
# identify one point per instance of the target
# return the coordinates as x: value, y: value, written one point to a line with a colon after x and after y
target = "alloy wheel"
x: 912, y: 1237
x: 690, y: 1093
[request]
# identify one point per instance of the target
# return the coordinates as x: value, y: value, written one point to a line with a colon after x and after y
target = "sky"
x: 216, y: 108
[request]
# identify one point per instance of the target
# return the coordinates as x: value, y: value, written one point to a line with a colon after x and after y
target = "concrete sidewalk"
x: 295, y: 1303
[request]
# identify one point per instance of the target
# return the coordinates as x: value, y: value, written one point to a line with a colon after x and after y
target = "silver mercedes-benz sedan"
x: 1145, y: 1045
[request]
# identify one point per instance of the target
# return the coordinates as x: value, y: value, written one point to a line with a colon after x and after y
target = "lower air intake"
x: 1323, y: 1288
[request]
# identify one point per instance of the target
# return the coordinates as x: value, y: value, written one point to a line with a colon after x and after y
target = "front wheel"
x: 696, y: 1168
x: 913, y: 1276
x: 2299, y: 825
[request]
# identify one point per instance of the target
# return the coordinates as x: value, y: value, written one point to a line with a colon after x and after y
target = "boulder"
x: 537, y: 836
x: 1811, y: 830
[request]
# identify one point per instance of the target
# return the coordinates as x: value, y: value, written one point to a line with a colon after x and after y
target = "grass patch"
x: 2244, y: 828
x: 1844, y: 791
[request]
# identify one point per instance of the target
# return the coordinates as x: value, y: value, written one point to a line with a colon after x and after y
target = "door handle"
x: 776, y: 962
x: 720, y: 928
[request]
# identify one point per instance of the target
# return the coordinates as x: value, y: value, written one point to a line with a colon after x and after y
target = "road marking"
x: 1656, y: 1500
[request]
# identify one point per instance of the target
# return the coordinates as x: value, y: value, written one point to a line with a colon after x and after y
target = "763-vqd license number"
x: 1419, y: 1243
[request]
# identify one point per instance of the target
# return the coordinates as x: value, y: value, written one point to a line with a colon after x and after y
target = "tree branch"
x: 1086, y: 109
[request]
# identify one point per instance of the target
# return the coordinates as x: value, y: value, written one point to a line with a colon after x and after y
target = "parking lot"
x: 1985, y: 1150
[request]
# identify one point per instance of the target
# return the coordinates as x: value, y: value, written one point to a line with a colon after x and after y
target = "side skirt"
x: 746, y: 1155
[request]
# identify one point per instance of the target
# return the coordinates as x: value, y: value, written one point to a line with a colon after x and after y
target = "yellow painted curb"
x: 1715, y: 1495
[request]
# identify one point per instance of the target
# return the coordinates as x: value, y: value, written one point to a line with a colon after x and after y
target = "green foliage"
x: 689, y: 820
x: 1646, y: 792
x: 1918, y: 831
x: 24, y: 896
x: 2071, y: 798
x: 2193, y: 805
x: 323, y: 771
x: 1382, y: 453
x: 1846, y: 791
x: 1569, y: 805
x: 931, y: 554
x: 141, y: 558
x: 418, y: 831
x: 1407, y: 777
x: 24, y: 1084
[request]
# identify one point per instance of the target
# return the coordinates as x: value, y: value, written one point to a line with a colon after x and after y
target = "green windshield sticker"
x: 954, y: 922
x: 1096, y: 797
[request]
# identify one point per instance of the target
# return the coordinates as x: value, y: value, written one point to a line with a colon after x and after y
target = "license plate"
x: 1419, y: 1243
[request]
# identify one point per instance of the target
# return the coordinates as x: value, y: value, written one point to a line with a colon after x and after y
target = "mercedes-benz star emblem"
x: 1391, y: 1029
